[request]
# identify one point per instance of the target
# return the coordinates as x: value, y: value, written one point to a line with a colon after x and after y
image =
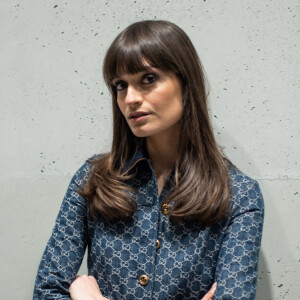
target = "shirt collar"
x: 140, y: 155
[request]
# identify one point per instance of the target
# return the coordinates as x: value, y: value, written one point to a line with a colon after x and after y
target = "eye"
x: 149, y: 78
x: 120, y: 85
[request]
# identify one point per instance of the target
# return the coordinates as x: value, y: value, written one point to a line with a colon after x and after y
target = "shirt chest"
x: 148, y: 254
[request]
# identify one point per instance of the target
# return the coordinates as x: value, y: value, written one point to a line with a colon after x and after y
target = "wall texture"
x: 55, y: 112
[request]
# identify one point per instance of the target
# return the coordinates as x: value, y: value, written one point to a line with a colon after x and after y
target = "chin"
x: 142, y: 133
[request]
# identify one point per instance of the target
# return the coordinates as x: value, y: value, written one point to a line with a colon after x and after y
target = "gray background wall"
x: 55, y: 113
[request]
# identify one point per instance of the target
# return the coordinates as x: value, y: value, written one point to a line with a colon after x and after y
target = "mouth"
x: 138, y: 116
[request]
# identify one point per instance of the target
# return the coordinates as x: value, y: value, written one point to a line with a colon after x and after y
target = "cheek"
x: 172, y: 103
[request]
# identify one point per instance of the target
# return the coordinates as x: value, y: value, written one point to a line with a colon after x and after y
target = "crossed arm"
x: 86, y: 288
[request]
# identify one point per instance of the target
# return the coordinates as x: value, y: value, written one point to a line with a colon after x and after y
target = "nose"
x: 133, y: 96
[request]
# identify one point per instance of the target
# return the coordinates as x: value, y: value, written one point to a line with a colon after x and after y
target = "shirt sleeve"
x: 237, y: 265
x: 65, y: 249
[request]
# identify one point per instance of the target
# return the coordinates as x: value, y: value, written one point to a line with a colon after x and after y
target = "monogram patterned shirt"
x: 147, y: 257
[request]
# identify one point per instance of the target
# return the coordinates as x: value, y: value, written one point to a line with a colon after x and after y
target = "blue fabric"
x: 190, y: 257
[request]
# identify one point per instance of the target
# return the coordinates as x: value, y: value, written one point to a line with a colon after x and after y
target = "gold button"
x: 157, y: 244
x: 165, y: 208
x: 143, y: 280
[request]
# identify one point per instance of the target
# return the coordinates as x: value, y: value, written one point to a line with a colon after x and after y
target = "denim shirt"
x: 147, y: 257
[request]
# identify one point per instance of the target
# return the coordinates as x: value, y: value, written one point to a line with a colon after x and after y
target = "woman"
x: 164, y: 215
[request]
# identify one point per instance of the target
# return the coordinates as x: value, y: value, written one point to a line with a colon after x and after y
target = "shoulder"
x: 82, y: 175
x: 245, y: 191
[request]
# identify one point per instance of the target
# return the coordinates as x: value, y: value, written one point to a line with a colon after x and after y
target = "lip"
x: 138, y: 116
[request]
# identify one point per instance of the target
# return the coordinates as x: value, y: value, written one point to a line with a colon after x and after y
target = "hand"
x: 85, y: 288
x: 209, y: 295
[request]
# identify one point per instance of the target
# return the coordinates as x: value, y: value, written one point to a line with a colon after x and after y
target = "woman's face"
x: 151, y: 101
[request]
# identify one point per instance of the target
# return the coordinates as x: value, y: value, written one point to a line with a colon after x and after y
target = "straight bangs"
x: 135, y: 50
x: 129, y: 60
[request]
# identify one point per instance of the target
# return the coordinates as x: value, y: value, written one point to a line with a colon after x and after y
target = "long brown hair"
x: 201, y: 187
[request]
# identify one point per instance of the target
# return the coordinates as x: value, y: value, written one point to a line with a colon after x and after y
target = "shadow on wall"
x: 264, y: 285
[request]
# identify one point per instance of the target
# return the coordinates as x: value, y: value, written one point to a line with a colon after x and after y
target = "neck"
x: 163, y: 151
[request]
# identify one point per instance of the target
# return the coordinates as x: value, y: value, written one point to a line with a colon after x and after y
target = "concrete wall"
x: 55, y: 112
